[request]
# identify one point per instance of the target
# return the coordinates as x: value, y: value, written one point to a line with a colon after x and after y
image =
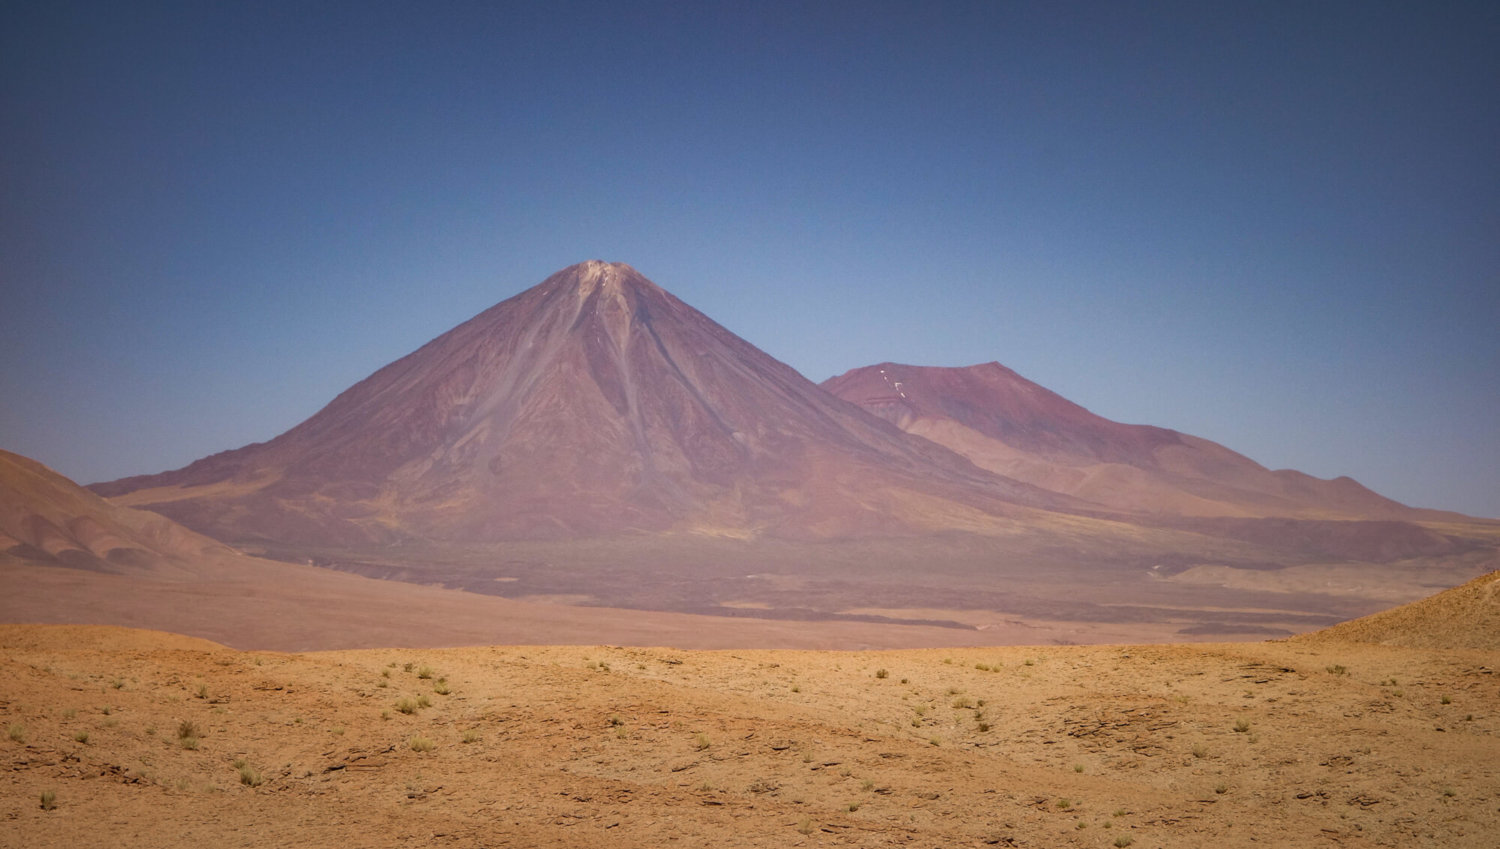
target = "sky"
x: 1272, y: 225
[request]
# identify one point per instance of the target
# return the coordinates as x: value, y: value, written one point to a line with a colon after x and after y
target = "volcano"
x: 1014, y: 427
x: 593, y: 403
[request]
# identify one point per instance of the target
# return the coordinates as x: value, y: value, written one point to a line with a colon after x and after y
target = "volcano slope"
x: 596, y: 441
x: 69, y: 556
x: 129, y: 738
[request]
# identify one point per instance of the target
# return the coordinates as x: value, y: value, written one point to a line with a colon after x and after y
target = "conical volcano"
x: 593, y: 403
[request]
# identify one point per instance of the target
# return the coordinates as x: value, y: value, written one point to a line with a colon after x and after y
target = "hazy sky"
x: 1276, y: 226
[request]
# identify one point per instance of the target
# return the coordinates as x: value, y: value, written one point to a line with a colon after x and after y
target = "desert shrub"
x: 805, y: 827
x: 81, y: 736
x: 406, y: 706
x: 1241, y: 725
x: 421, y: 744
x: 250, y: 776
x: 190, y: 743
x: 1221, y: 788
x: 701, y: 742
x: 982, y: 726
x: 425, y: 672
x: 853, y: 806
x: 1338, y: 669
x: 441, y: 688
x: 1078, y: 767
x: 1064, y: 804
x: 202, y: 691
x: 882, y: 673
x: 49, y: 800
x: 17, y: 732
x: 962, y: 702
x: 470, y: 736
x: 1200, y: 750
x: 1447, y: 700
x: 188, y: 728
x: 423, y: 701
x: 1123, y: 840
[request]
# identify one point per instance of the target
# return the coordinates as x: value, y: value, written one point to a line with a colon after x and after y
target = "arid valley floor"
x: 141, y: 739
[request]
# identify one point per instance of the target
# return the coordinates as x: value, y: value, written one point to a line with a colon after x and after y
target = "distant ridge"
x: 1010, y: 425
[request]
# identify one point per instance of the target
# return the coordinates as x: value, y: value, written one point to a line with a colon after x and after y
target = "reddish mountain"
x: 592, y: 403
x: 1009, y: 425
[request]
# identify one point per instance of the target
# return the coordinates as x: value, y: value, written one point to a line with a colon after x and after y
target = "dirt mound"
x: 1465, y: 617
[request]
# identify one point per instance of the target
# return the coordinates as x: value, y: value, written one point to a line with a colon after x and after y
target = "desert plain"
x: 133, y: 738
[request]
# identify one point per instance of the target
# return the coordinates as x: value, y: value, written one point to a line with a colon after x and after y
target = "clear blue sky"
x: 1273, y: 225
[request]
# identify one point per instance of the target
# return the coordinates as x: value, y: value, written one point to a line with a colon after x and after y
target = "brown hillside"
x: 1465, y: 617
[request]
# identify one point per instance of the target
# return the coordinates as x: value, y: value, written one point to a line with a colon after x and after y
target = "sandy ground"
x: 153, y: 740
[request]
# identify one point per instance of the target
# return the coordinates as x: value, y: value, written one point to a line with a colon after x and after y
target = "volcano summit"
x: 593, y: 403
